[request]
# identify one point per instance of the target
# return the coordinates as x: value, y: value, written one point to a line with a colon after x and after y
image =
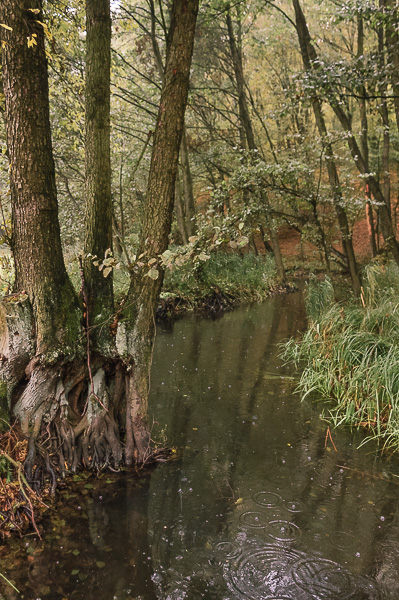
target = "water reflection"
x: 257, y: 506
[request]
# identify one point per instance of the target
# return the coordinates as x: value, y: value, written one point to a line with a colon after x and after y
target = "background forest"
x: 278, y: 138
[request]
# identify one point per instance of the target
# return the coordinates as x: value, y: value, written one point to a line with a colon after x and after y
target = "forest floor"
x: 291, y: 246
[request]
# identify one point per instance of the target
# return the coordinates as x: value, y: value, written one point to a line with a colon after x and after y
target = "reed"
x: 350, y: 354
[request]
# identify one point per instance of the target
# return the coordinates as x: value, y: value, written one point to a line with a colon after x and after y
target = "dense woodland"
x: 143, y: 142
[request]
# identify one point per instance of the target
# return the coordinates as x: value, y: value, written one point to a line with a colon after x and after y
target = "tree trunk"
x: 180, y: 212
x: 36, y: 242
x: 364, y: 135
x: 308, y: 55
x: 246, y: 125
x: 98, y: 234
x: 136, y: 334
x: 68, y: 399
x: 392, y: 42
x: 385, y: 119
x: 189, y: 203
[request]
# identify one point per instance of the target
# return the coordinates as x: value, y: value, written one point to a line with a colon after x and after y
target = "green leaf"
x: 153, y: 274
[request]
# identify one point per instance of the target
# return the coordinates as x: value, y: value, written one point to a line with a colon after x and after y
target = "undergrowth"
x: 244, y: 278
x: 350, y: 354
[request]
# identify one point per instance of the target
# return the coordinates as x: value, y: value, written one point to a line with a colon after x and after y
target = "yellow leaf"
x: 6, y: 26
x: 239, y: 500
x: 195, y: 428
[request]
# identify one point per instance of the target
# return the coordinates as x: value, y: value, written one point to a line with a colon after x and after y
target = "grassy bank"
x: 222, y: 281
x: 350, y: 354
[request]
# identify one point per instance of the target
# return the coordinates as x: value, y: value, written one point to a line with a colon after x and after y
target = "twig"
x: 9, y: 582
x: 365, y: 474
x: 22, y: 480
x: 328, y: 435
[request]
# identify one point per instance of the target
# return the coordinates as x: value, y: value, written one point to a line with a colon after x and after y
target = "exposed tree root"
x: 66, y: 420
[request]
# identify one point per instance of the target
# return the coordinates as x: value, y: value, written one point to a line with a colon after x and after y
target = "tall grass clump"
x: 350, y: 354
x: 244, y: 278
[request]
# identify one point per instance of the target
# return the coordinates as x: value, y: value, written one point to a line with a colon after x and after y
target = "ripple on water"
x: 386, y: 511
x: 294, y: 506
x: 253, y: 519
x: 267, y: 499
x: 262, y: 573
x: 225, y: 551
x: 283, y: 531
x: 228, y: 549
x: 326, y: 580
x: 342, y: 540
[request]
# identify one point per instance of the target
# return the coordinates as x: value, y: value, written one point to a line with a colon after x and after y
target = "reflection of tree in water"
x: 255, y: 501
x: 219, y: 380
x: 247, y: 441
x: 96, y: 547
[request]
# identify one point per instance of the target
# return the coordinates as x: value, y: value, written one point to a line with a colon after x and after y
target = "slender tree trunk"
x: 385, y: 119
x: 246, y: 124
x: 180, y: 212
x: 188, y: 213
x: 136, y: 334
x: 364, y: 135
x: 392, y: 42
x: 309, y: 55
x: 189, y: 203
x: 98, y: 235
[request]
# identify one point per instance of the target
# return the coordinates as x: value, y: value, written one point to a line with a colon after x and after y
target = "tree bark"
x: 180, y: 212
x: 98, y: 233
x: 189, y: 203
x: 136, y: 334
x: 392, y: 43
x: 36, y: 242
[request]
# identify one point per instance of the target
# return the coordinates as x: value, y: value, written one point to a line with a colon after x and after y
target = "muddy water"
x: 257, y: 505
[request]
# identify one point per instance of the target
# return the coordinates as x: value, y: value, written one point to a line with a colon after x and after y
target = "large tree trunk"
x: 136, y: 334
x: 98, y: 238
x: 68, y: 397
x: 36, y: 242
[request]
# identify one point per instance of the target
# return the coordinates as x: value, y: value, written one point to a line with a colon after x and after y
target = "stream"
x: 260, y: 502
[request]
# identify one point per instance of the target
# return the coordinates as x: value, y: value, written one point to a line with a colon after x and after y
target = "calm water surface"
x: 258, y: 505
